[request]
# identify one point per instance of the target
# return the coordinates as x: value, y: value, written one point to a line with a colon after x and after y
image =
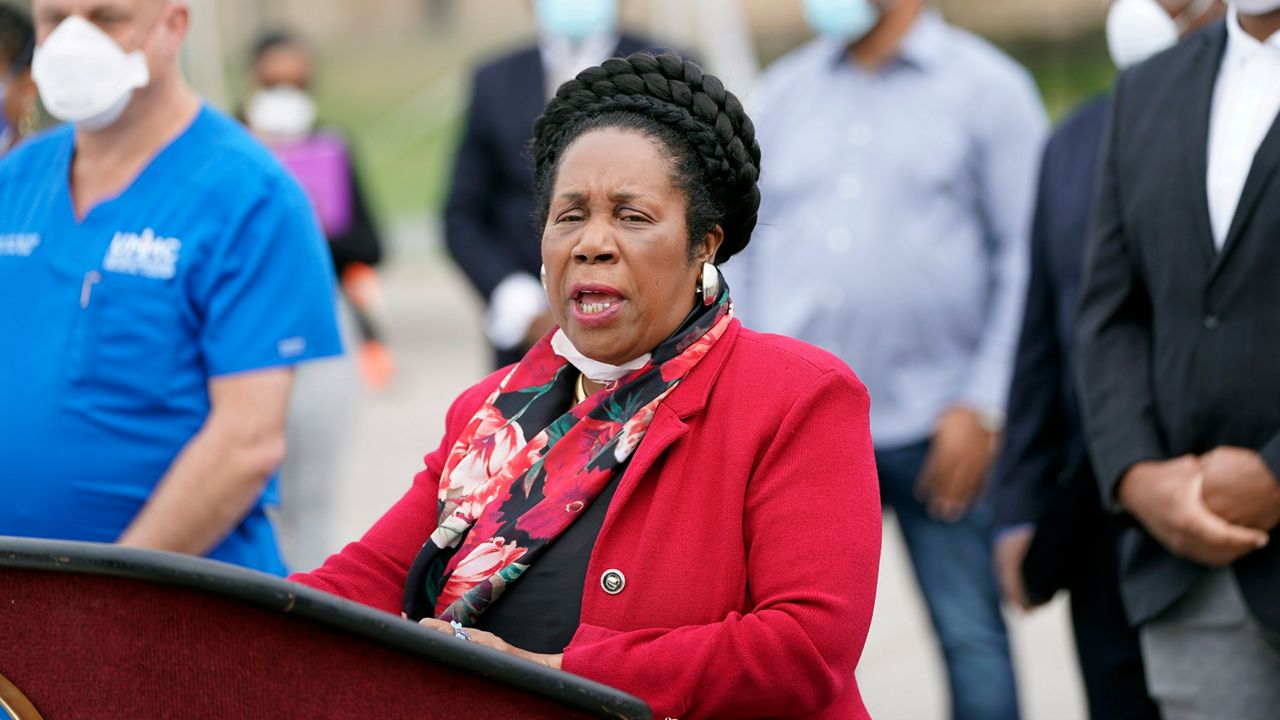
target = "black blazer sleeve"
x: 469, y: 229
x: 1113, y: 361
x: 1035, y: 448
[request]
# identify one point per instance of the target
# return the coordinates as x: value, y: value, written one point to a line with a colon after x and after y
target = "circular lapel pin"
x: 613, y: 581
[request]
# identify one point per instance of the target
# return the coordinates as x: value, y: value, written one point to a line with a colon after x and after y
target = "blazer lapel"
x: 1203, y: 78
x: 688, y: 399
x: 1260, y: 176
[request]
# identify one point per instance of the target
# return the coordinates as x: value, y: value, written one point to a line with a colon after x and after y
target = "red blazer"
x: 747, y: 526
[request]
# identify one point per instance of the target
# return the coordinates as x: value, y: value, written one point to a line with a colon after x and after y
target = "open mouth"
x: 595, y: 300
x: 595, y: 303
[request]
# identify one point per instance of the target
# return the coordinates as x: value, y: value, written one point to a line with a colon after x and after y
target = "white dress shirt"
x: 1245, y: 104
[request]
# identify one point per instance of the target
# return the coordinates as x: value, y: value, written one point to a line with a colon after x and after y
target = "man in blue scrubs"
x: 160, y: 276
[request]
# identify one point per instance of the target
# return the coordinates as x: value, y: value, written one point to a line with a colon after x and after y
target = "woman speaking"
x: 654, y: 498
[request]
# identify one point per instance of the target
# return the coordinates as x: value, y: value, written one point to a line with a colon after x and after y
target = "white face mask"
x: 85, y: 77
x: 283, y: 112
x: 1256, y: 7
x: 595, y: 370
x: 1138, y: 29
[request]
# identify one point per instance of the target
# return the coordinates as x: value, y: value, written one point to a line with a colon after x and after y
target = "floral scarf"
x: 523, y: 469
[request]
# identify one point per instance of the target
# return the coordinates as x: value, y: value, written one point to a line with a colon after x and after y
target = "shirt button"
x: 860, y: 135
x: 613, y: 581
x: 1212, y: 321
x: 839, y: 240
x: 849, y: 187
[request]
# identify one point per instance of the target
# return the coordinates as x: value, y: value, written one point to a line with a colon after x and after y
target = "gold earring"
x: 543, y: 275
x: 709, y: 286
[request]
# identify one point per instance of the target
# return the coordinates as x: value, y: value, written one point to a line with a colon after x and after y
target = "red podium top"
x: 101, y: 632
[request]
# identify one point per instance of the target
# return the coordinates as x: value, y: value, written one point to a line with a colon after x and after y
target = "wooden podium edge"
x: 272, y: 593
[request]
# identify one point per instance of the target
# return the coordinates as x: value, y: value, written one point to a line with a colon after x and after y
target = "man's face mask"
x: 576, y: 20
x: 845, y: 21
x: 85, y: 77
x: 1138, y: 29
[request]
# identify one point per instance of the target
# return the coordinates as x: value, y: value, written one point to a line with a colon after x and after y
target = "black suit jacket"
x: 1179, y: 344
x: 489, y: 215
x: 1042, y: 476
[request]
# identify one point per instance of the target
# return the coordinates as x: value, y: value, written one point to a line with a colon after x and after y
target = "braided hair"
x: 705, y: 131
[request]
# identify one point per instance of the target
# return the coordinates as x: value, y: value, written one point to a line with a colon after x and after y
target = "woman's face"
x: 283, y: 66
x: 616, y: 247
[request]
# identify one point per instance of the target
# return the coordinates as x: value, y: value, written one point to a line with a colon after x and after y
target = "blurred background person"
x: 487, y: 225
x: 162, y: 276
x: 1051, y: 531
x: 282, y: 113
x: 1178, y: 340
x: 532, y: 528
x: 895, y: 218
x: 18, y: 110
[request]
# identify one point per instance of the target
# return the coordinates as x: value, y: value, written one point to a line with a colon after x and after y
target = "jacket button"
x: 613, y: 581
x: 1212, y: 321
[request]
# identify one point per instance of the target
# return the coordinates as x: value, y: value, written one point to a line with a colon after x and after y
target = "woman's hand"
x: 490, y: 640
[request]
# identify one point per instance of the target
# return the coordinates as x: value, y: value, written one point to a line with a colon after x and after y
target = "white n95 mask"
x: 282, y: 112
x: 85, y: 77
x: 1138, y: 29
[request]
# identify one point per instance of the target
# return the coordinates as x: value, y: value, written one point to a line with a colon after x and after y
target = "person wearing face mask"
x: 282, y: 114
x: 1177, y: 341
x: 1051, y: 531
x: 17, y: 90
x: 894, y: 231
x: 486, y: 220
x: 162, y: 275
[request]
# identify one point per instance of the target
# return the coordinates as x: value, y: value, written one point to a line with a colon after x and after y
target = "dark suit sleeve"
x: 468, y: 214
x: 1034, y: 451
x: 1114, y: 330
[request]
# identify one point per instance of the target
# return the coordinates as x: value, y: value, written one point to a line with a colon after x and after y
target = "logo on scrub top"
x: 20, y: 245
x: 147, y: 255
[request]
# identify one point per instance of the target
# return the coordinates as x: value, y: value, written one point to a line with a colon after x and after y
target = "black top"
x: 542, y: 610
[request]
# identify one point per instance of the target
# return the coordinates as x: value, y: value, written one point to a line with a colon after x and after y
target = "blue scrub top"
x: 210, y: 263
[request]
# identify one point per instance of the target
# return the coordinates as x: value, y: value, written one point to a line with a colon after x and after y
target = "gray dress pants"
x: 1208, y: 658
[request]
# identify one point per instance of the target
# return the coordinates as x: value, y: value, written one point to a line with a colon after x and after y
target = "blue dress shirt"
x: 894, y: 225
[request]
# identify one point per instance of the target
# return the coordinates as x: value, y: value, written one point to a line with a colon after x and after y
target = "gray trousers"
x: 1208, y: 658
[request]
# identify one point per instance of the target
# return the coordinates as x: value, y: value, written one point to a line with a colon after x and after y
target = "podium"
x: 102, y: 632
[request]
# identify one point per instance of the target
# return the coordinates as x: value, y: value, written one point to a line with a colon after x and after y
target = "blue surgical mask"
x: 576, y: 20
x: 843, y: 20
